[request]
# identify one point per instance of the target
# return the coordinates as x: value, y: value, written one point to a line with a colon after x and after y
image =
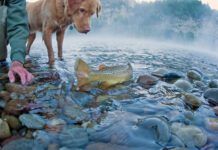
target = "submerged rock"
x: 4, y: 130
x: 192, y: 100
x: 32, y: 121
x: 147, y: 81
x: 212, y: 124
x: 183, y: 85
x: 194, y: 75
x: 160, y: 72
x: 190, y: 135
x: 108, y: 146
x: 73, y: 137
x: 23, y: 144
x: 171, y: 76
x: 212, y: 96
x: 75, y: 113
x: 120, y: 128
x: 216, y: 110
x: 159, y: 126
x: 213, y: 84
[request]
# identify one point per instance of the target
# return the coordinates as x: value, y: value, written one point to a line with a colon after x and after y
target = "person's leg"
x: 3, y: 40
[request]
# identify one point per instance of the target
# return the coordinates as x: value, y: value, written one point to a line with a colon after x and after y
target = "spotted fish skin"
x: 104, y: 77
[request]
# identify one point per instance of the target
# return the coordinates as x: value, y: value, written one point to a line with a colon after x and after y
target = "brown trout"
x: 103, y: 78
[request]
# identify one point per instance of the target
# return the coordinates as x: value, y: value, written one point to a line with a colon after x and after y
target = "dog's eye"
x: 82, y: 10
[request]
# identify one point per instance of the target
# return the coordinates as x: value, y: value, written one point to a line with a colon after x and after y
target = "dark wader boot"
x: 3, y: 38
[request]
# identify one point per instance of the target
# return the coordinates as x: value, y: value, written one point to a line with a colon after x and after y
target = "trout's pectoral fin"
x: 105, y: 85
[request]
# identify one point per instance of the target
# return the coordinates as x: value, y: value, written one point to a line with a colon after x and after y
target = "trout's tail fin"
x: 82, y: 71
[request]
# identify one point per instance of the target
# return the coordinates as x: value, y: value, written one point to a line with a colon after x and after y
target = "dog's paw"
x: 28, y: 58
x: 61, y: 58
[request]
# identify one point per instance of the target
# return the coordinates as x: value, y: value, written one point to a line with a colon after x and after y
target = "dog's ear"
x: 98, y: 9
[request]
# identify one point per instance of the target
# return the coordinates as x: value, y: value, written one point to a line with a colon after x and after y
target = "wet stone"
x: 4, y: 129
x: 191, y: 136
x: 212, y: 124
x: 216, y: 110
x: 212, y: 96
x: 199, y: 84
x: 73, y: 137
x: 160, y: 72
x: 194, y: 75
x: 32, y: 121
x: 104, y: 146
x: 75, y: 113
x: 171, y: 76
x: 4, y: 95
x: 183, y: 85
x: 147, y: 81
x: 23, y: 144
x: 213, y: 84
x: 81, y: 98
x: 18, y: 88
x: 16, y: 107
x: 2, y: 104
x: 12, y: 121
x: 192, y: 100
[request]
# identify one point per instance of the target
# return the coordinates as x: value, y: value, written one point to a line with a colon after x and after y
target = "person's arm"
x: 18, y: 32
x: 17, y: 29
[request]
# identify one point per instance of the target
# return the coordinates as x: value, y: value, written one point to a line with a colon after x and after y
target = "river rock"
x: 212, y: 124
x: 213, y: 84
x: 75, y: 113
x: 147, y: 81
x: 12, y: 121
x: 32, y: 121
x: 194, y: 75
x: 216, y: 110
x: 23, y: 144
x: 212, y: 96
x: 18, y: 88
x: 192, y: 100
x: 171, y: 76
x: 190, y: 135
x: 199, y: 84
x: 183, y: 85
x: 159, y: 125
x: 160, y: 72
x: 73, y: 137
x: 16, y: 107
x: 104, y: 146
x: 4, y: 129
x: 5, y: 95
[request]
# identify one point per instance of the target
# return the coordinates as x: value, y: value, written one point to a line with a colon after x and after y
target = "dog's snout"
x: 86, y: 31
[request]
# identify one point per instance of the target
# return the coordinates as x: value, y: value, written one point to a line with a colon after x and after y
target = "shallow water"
x: 127, y: 116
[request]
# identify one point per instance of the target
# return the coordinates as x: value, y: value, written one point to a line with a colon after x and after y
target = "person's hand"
x: 18, y: 69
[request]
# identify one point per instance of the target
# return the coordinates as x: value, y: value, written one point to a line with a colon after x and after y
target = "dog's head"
x: 84, y: 9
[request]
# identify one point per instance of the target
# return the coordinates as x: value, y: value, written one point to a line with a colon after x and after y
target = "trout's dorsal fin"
x: 82, y: 71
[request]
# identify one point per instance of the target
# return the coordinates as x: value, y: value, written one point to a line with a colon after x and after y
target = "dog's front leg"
x: 60, y: 38
x: 47, y: 35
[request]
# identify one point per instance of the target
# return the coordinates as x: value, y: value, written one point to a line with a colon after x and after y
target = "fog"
x: 186, y: 22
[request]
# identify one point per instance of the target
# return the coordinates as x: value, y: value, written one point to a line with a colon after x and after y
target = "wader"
x: 3, y: 38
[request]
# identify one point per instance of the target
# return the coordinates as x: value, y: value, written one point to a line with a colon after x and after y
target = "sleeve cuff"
x: 18, y: 56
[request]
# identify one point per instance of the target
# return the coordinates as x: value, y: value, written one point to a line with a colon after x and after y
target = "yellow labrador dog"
x: 49, y: 16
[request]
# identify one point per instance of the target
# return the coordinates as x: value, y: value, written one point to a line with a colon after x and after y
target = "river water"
x: 128, y: 116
